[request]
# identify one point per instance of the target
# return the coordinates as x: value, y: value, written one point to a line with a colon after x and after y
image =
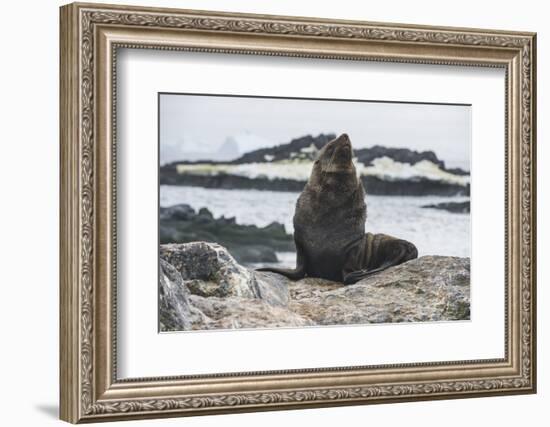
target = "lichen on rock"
x: 203, y: 287
x: 176, y: 312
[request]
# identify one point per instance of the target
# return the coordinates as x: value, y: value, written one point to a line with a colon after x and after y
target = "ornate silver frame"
x: 90, y: 35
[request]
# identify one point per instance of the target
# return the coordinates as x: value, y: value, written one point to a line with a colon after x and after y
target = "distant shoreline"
x: 373, y: 185
x: 384, y: 170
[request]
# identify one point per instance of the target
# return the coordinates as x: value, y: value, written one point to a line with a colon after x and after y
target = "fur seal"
x: 329, y: 224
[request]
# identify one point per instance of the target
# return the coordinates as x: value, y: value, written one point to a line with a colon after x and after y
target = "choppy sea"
x: 433, y: 231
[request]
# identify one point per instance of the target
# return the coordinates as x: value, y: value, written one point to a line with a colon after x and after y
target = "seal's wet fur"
x: 329, y: 224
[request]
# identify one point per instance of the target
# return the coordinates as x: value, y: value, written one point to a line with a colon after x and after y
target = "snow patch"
x: 299, y: 170
x: 390, y: 170
x: 296, y: 170
x: 311, y: 149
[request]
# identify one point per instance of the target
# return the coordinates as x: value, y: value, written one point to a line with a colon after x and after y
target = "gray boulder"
x: 244, y: 313
x: 210, y: 271
x: 215, y: 292
x: 453, y: 207
x: 430, y: 288
x: 176, y: 312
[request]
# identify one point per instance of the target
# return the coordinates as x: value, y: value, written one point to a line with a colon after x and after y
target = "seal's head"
x: 334, y: 171
x: 336, y: 156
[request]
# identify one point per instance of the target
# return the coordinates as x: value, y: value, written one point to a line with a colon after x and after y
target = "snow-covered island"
x: 286, y: 167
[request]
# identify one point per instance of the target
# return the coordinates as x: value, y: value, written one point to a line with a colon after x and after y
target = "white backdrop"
x: 141, y: 347
x: 29, y: 227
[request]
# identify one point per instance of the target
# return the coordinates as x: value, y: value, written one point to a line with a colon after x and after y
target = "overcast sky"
x: 200, y: 127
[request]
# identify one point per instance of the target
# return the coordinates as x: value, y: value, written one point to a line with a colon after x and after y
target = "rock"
x: 247, y: 243
x: 374, y: 184
x: 209, y: 270
x: 237, y: 313
x: 457, y: 171
x: 223, y: 294
x: 430, y: 288
x: 401, y: 155
x: 412, y: 187
x: 175, y: 311
x: 272, y: 288
x: 204, y: 216
x: 203, y: 287
x: 454, y: 207
x: 170, y: 176
x: 305, y: 149
x: 180, y: 212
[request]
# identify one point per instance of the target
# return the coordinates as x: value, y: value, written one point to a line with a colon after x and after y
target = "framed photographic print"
x: 266, y: 212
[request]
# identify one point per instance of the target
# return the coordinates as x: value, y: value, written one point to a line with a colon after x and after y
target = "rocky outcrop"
x: 304, y: 147
x: 401, y: 155
x: 413, y: 187
x: 454, y: 207
x: 210, y: 271
x: 373, y: 184
x: 170, y: 176
x: 264, y: 169
x: 430, y: 288
x: 203, y: 287
x: 249, y: 244
x: 176, y: 313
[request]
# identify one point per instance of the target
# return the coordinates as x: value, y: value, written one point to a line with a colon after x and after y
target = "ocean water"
x: 433, y: 231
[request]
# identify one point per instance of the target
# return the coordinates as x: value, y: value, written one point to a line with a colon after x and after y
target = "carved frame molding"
x: 90, y: 35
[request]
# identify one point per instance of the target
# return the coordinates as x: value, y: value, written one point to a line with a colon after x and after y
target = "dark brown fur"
x: 329, y: 224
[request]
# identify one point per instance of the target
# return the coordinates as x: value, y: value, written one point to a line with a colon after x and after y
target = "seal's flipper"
x: 355, y: 276
x: 387, y: 252
x: 293, y: 274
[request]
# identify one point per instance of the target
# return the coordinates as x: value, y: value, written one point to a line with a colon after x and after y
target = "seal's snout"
x: 343, y: 155
x: 344, y: 144
x: 337, y: 155
x: 344, y: 138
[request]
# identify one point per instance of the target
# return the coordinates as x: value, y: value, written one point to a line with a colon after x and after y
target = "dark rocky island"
x: 247, y: 243
x: 453, y: 207
x: 218, y: 293
x: 413, y: 187
x: 300, y: 152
